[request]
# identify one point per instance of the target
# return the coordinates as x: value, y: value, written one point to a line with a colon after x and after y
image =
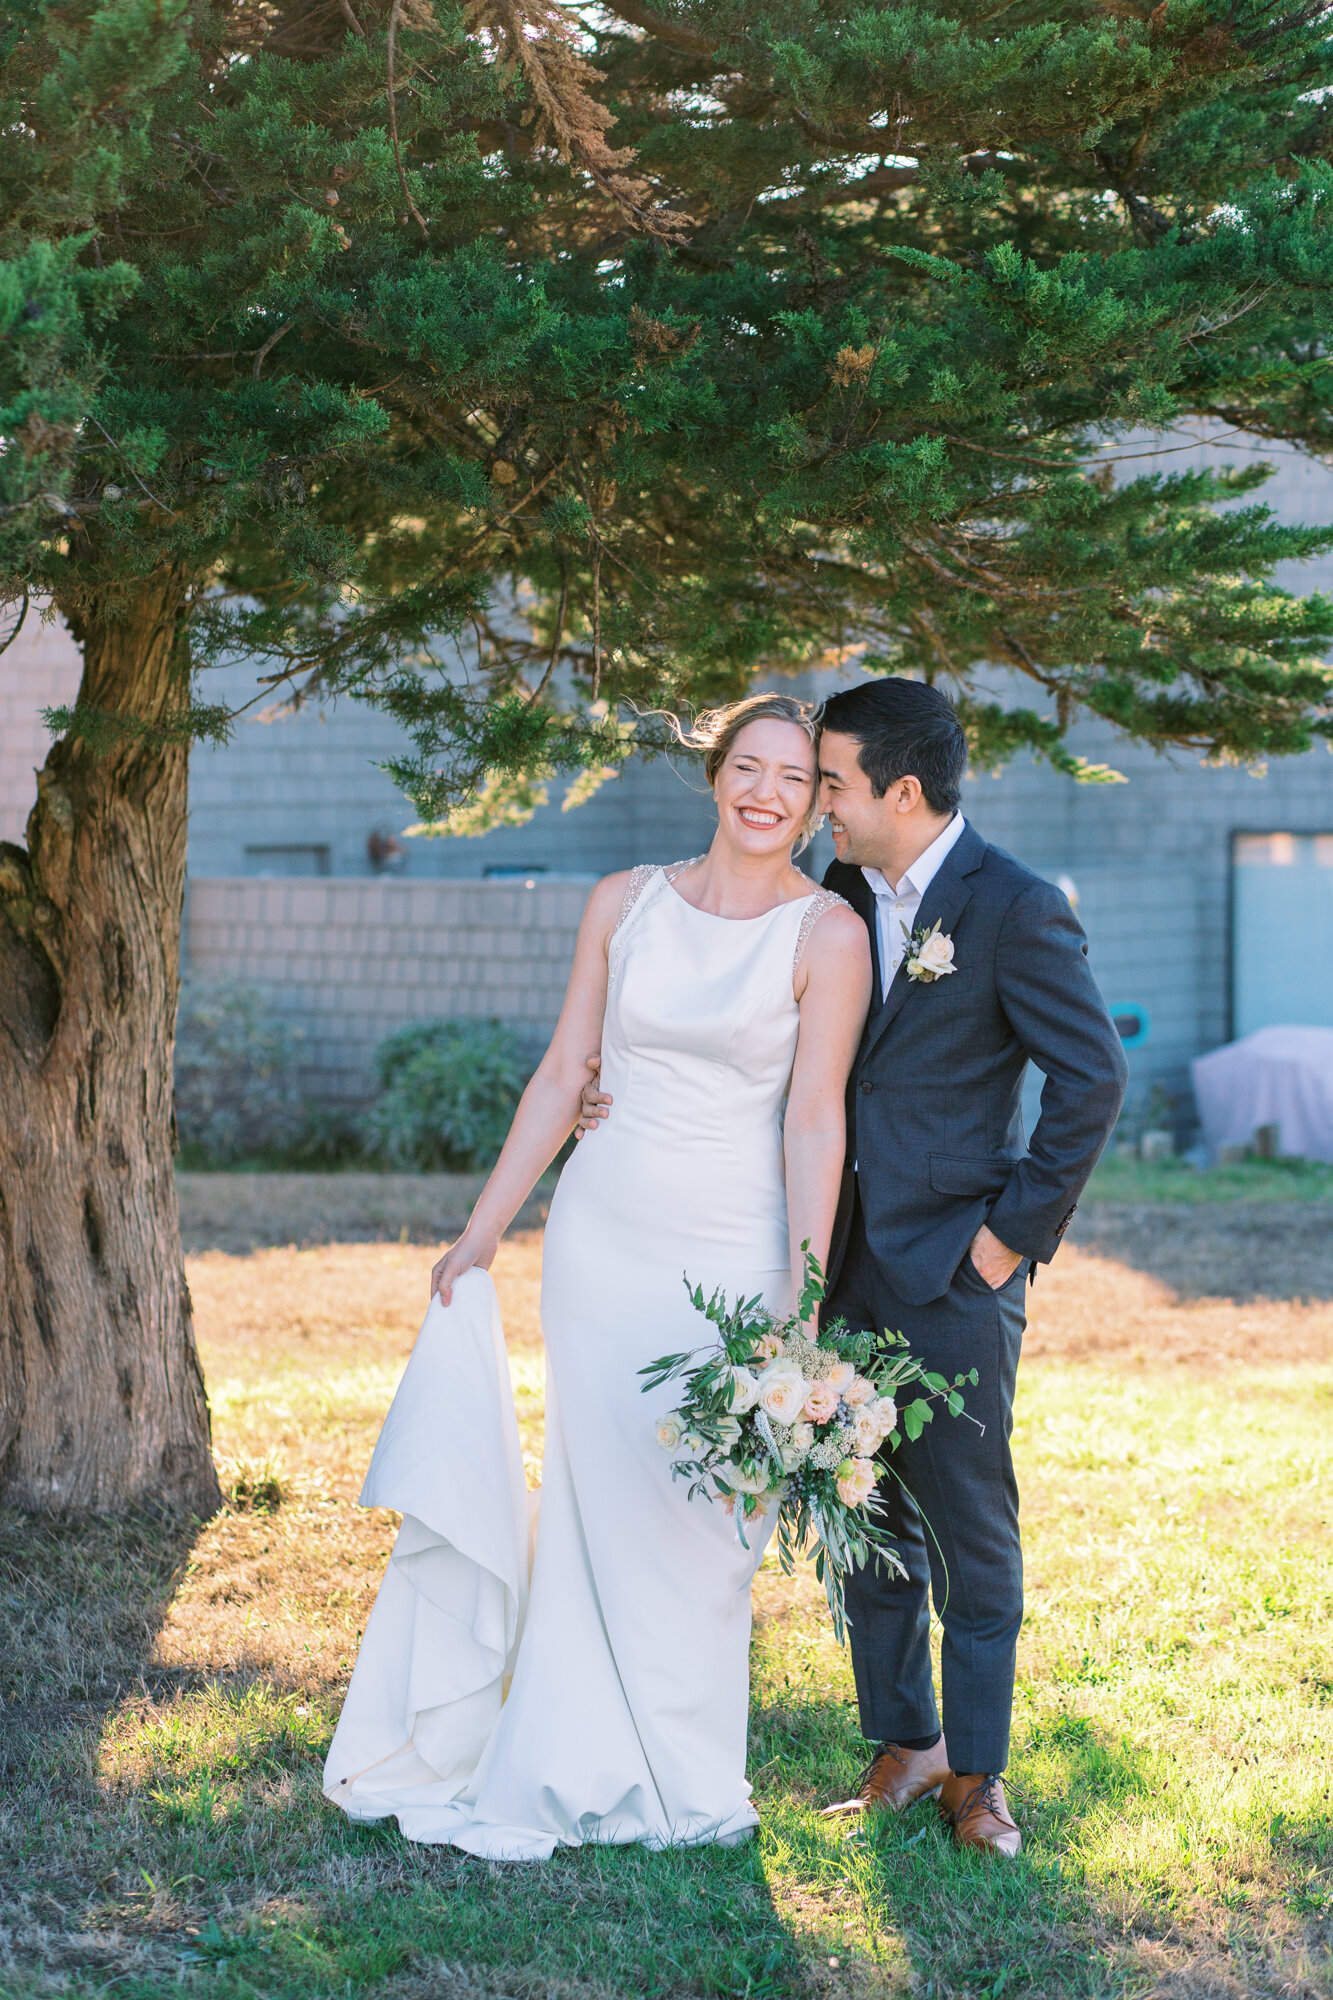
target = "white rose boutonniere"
x: 929, y: 954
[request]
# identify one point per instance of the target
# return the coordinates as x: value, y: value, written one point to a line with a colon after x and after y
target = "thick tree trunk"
x: 101, y: 1397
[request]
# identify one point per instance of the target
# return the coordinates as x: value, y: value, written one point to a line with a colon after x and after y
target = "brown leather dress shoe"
x: 974, y: 1806
x: 895, y: 1778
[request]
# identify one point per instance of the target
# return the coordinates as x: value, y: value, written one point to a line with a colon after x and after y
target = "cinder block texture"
x: 349, y: 961
x: 41, y: 669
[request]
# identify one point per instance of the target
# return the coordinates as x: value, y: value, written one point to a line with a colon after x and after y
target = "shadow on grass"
x: 84, y: 1599
x: 1229, y: 1250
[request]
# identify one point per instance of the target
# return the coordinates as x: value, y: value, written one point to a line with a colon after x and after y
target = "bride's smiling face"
x: 765, y: 787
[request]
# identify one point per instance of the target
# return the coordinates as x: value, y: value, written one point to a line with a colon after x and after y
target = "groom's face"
x: 864, y: 828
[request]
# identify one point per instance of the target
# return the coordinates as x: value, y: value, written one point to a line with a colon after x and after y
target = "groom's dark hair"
x: 905, y: 730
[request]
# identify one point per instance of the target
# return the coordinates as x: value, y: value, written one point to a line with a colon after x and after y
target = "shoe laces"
x: 887, y: 1753
x: 987, y: 1796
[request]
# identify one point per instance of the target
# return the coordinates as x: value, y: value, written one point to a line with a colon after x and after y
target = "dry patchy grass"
x: 171, y: 1691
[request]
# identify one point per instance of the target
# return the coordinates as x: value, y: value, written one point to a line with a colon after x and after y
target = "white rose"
x: 741, y: 1481
x: 744, y: 1392
x: 841, y: 1376
x: 782, y: 1391
x: 802, y: 1437
x: 860, y: 1392
x: 669, y: 1430
x: 886, y: 1414
x: 866, y: 1434
x: 935, y: 957
x: 692, y: 1445
x: 728, y: 1432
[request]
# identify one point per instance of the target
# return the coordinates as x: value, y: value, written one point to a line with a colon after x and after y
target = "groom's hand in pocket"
x: 992, y: 1260
x: 594, y: 1104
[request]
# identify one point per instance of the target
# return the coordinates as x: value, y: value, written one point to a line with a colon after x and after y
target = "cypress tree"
x: 524, y: 370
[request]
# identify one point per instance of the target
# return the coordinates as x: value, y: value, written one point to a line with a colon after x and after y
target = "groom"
x: 980, y: 967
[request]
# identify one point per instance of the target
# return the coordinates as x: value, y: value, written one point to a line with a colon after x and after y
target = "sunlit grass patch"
x: 218, y: 1730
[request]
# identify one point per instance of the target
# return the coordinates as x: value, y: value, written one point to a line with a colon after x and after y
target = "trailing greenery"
x: 448, y: 1090
x: 351, y: 319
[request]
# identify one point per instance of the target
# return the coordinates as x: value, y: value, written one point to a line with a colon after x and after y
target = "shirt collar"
x: 917, y: 879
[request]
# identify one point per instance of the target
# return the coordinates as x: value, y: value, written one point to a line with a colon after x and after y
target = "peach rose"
x: 841, y: 1375
x: 821, y: 1402
x: 886, y: 1412
x: 770, y: 1345
x: 856, y: 1481
x: 860, y: 1392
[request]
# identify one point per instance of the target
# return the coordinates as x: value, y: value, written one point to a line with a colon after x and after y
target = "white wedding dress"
x: 608, y: 1701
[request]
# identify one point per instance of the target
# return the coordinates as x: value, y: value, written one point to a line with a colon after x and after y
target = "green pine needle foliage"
x: 319, y: 306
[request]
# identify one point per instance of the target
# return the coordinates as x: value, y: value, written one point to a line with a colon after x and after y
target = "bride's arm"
x: 550, y: 1104
x: 833, y: 989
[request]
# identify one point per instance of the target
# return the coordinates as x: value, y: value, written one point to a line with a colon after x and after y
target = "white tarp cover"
x: 1276, y: 1076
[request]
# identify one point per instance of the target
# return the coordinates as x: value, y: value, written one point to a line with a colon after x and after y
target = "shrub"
x: 236, y: 1080
x: 447, y: 1093
x: 326, y: 1139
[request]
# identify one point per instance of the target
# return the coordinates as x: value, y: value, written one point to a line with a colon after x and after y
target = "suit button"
x: 865, y: 1088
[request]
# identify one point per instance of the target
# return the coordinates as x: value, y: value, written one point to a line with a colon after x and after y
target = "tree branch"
x: 659, y: 29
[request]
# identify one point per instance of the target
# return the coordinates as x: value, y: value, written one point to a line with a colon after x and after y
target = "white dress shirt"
x: 896, y: 907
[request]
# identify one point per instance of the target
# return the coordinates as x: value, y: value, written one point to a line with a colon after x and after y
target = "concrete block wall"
x: 349, y: 961
x: 41, y: 669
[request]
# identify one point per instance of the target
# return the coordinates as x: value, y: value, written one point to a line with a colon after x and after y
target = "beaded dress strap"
x: 649, y: 877
x: 819, y: 906
x: 639, y: 878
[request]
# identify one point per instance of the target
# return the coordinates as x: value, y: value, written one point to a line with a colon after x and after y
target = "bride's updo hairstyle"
x: 715, y: 731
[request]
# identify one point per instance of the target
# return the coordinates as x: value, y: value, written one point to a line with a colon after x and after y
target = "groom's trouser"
x: 961, y: 1481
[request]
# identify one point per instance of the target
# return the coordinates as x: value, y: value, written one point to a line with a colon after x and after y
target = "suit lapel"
x: 943, y: 903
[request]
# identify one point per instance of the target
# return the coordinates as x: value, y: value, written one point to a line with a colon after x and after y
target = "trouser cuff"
x: 891, y: 1728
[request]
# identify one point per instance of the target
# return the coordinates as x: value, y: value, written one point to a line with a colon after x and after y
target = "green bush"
x: 237, y: 1090
x: 447, y: 1094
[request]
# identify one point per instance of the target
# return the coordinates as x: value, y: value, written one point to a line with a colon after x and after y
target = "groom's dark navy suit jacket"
x: 934, y: 1122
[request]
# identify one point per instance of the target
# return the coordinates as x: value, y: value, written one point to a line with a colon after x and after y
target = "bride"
x: 608, y: 1700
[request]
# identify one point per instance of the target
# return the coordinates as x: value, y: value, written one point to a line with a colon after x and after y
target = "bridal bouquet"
x: 776, y: 1415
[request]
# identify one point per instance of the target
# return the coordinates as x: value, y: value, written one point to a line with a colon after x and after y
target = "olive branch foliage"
x: 812, y: 1521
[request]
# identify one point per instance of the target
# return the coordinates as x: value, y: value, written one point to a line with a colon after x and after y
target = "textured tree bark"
x: 101, y: 1397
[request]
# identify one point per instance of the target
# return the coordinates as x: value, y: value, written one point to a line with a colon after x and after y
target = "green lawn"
x: 1248, y: 1180
x: 1173, y: 1765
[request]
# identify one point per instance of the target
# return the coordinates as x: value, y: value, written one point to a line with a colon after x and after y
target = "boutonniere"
x: 929, y: 954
